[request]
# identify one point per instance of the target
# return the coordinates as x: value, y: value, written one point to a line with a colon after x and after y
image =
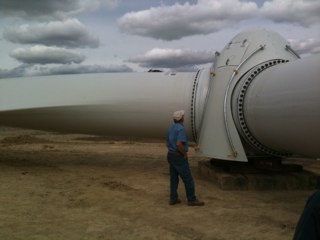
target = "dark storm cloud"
x: 14, y: 72
x: 38, y: 8
x: 68, y: 33
x: 50, y: 9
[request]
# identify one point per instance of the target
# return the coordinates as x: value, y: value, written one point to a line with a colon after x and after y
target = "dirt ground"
x: 76, y: 187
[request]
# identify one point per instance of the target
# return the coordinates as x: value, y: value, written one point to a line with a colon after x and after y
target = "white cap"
x: 178, y: 115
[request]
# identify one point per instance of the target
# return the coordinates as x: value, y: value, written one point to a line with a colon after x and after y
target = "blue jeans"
x: 179, y: 166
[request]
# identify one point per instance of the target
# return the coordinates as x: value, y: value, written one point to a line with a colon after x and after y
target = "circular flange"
x: 193, y: 107
x: 249, y: 77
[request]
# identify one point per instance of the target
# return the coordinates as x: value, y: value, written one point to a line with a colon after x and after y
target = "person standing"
x: 177, y: 143
x: 308, y: 227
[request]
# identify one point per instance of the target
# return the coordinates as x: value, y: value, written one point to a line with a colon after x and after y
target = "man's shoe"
x: 195, y: 203
x: 173, y: 202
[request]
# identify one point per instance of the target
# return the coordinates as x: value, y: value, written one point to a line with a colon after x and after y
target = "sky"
x: 84, y: 36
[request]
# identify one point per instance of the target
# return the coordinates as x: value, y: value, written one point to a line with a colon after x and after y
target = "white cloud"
x: 25, y: 70
x: 305, y: 46
x: 77, y: 69
x: 67, y: 33
x: 209, y: 16
x: 301, y: 12
x: 173, y: 58
x: 45, y: 55
x: 181, y: 20
x: 166, y: 20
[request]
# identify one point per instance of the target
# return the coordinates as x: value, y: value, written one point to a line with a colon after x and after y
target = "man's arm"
x: 181, y: 149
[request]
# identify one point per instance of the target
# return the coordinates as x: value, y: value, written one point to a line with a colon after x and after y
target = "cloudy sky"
x: 80, y: 36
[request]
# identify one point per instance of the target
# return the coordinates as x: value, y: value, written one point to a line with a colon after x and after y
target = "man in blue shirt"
x: 177, y: 143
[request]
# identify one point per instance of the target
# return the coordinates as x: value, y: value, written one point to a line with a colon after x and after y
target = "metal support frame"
x: 225, y: 103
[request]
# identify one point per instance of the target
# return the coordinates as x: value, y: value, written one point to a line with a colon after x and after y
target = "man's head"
x: 178, y: 116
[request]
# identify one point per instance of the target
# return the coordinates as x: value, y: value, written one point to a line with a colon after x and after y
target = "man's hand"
x: 181, y: 149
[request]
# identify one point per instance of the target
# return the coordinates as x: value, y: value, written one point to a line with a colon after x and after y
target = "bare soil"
x: 56, y: 186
